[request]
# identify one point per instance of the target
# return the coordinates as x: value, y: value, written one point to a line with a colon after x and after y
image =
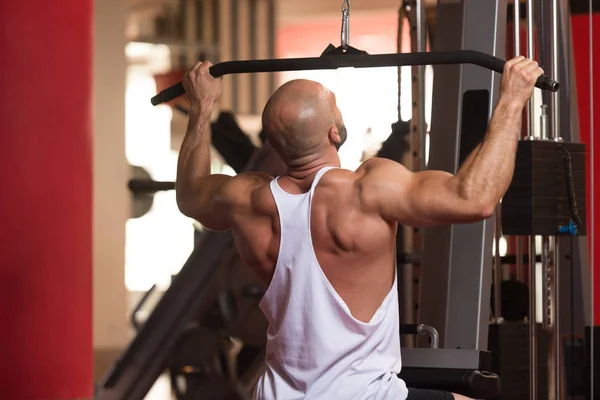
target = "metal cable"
x: 566, y: 156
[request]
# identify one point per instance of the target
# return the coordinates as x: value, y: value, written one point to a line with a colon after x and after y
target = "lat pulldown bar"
x: 334, y: 59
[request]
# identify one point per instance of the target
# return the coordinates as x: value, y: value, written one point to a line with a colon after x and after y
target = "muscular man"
x: 322, y: 238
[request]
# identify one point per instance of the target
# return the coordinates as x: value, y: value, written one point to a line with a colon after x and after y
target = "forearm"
x: 194, y: 156
x: 486, y: 174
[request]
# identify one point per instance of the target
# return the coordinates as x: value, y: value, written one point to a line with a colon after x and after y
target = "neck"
x: 301, y: 169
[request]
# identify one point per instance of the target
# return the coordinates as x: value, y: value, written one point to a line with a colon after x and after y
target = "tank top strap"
x: 318, y: 177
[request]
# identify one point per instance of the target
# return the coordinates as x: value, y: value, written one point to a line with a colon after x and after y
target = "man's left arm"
x: 212, y: 200
x: 198, y: 192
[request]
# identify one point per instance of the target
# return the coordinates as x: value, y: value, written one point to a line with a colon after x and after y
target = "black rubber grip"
x: 409, y: 329
x: 483, y: 384
x: 355, y: 61
x: 170, y: 93
x: 149, y: 186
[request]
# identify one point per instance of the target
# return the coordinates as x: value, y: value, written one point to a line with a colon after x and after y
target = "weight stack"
x: 538, y: 201
x: 509, y: 345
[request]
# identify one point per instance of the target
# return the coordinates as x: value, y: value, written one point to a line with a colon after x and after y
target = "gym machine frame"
x: 564, y: 250
x: 455, y: 293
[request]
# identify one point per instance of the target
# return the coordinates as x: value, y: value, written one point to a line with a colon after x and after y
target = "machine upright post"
x: 418, y: 116
x: 418, y: 30
x: 456, y: 279
x: 532, y: 322
x: 532, y: 254
x: 572, y: 298
x: 407, y: 269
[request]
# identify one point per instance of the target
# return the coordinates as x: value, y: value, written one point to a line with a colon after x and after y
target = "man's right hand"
x: 518, y: 80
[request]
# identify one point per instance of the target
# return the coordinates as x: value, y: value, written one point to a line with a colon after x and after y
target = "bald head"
x: 301, y: 119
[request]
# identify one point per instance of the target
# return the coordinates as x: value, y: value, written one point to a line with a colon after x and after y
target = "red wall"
x: 46, y: 199
x: 373, y: 33
x: 581, y: 42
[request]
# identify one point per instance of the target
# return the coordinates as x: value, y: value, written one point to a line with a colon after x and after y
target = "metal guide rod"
x: 530, y: 55
x: 532, y: 322
x: 498, y: 266
x: 556, y: 333
x: 517, y: 26
x: 544, y: 122
x: 546, y: 285
x: 555, y: 102
x: 421, y: 48
x: 532, y: 264
x: 418, y: 40
x: 517, y: 33
x: 418, y: 115
x: 401, y: 17
x: 547, y: 267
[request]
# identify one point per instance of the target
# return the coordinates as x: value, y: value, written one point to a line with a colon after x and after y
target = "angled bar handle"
x: 365, y: 60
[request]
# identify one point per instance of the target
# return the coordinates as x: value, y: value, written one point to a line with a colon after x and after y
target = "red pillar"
x: 581, y: 42
x: 46, y: 199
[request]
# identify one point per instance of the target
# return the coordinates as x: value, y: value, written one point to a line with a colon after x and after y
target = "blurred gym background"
x: 79, y: 75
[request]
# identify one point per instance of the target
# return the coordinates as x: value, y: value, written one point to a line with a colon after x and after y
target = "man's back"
x: 331, y: 301
x: 354, y: 246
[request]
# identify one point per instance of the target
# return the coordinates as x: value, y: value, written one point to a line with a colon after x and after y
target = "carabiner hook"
x: 345, y: 24
x: 346, y: 6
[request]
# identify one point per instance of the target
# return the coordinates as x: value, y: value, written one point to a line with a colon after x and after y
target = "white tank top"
x: 316, y: 349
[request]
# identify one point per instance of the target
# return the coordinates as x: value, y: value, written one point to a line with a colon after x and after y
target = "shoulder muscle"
x: 382, y: 181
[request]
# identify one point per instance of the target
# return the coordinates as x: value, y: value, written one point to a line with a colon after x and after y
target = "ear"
x: 334, y: 135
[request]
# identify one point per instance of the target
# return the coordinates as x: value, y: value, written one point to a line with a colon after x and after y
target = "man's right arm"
x: 432, y: 198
